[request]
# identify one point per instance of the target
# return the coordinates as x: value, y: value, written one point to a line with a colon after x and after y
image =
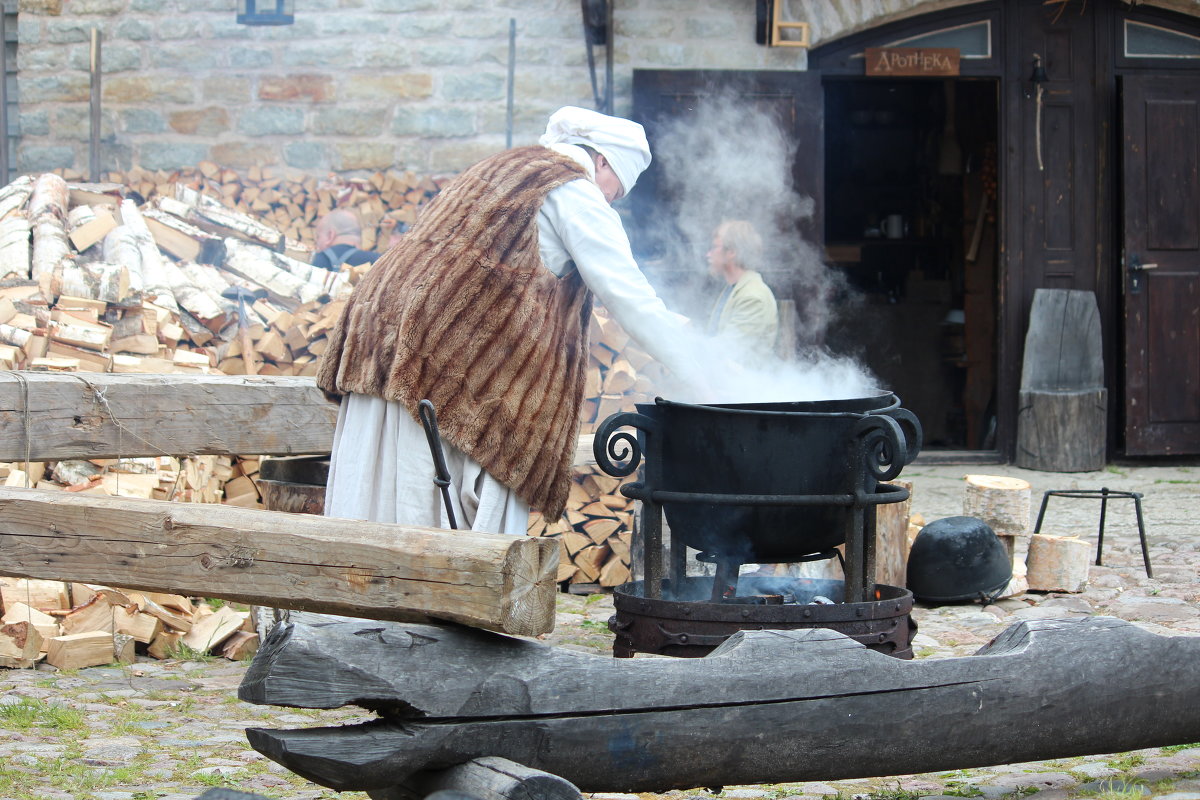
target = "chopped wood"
x: 135, y: 624
x: 44, y: 595
x: 15, y: 234
x: 97, y: 614
x: 45, y: 624
x: 20, y: 645
x: 79, y: 650
x: 92, y: 230
x: 211, y: 631
x: 240, y: 646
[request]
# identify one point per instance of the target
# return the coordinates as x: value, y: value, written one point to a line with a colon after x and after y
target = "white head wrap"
x: 621, y: 141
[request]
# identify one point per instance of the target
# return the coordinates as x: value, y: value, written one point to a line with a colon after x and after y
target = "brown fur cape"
x: 462, y: 311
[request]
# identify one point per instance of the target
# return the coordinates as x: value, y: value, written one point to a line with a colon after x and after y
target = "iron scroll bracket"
x: 619, y: 452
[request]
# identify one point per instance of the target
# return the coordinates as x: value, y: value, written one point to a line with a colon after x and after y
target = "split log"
x: 153, y: 415
x: 89, y: 226
x: 20, y: 644
x: 15, y: 195
x: 263, y: 266
x: 48, y: 204
x: 97, y: 280
x: 181, y: 239
x: 14, y: 247
x: 45, y: 624
x: 155, y: 271
x: 765, y: 707
x: 1057, y: 563
x: 79, y: 650
x: 42, y: 595
x: 211, y: 215
x: 364, y: 569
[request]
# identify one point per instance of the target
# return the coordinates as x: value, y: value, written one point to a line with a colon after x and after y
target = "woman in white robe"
x: 381, y: 469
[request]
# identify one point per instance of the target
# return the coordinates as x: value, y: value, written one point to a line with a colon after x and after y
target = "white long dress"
x: 381, y: 469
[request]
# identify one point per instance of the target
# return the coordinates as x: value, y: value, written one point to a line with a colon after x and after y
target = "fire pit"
x: 759, y: 483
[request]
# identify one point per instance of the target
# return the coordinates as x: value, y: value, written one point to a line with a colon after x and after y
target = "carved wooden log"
x: 322, y: 564
x: 488, y: 778
x: 765, y: 707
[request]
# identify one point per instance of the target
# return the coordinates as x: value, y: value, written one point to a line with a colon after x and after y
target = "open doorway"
x: 910, y: 222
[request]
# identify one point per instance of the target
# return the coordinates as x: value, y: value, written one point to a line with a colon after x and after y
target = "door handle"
x: 1136, y: 268
x: 1136, y: 265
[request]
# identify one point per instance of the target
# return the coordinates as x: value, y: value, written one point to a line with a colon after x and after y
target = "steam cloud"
x: 729, y: 159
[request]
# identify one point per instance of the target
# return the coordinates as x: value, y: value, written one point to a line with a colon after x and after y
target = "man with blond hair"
x: 745, y: 313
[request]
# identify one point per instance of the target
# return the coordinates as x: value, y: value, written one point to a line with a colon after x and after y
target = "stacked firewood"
x: 142, y: 274
x: 74, y: 625
x: 595, y: 532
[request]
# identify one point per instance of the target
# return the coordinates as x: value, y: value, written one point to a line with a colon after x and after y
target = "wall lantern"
x: 266, y: 12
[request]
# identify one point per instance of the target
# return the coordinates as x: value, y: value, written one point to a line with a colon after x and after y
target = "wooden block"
x: 240, y: 646
x: 614, y: 573
x: 566, y: 572
x: 171, y: 618
x: 574, y: 542
x: 20, y: 644
x: 208, y: 633
x: 97, y: 614
x: 1000, y: 501
x: 165, y: 643
x: 45, y: 624
x: 93, y: 231
x: 590, y: 560
x: 600, y: 528
x: 78, y: 650
x: 1057, y: 563
x: 42, y: 595
x: 133, y: 623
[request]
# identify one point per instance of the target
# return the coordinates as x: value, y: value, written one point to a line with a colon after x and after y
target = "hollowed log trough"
x: 765, y: 707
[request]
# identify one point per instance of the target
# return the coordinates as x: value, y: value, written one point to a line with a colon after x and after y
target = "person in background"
x: 483, y: 308
x: 745, y: 313
x: 339, y: 236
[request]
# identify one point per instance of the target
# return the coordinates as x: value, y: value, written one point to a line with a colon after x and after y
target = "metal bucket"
x: 295, y: 484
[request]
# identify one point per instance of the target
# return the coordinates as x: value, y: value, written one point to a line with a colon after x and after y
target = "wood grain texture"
x: 766, y: 707
x: 107, y: 415
x: 280, y: 560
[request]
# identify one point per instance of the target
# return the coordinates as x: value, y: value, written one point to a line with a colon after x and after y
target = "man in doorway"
x: 339, y: 238
x: 745, y: 313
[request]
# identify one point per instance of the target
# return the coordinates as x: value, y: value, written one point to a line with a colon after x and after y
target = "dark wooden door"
x: 1161, y: 200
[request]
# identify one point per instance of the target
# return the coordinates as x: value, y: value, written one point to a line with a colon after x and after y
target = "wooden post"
x: 94, y: 108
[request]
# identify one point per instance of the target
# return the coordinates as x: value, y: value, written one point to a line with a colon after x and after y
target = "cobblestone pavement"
x: 171, y: 729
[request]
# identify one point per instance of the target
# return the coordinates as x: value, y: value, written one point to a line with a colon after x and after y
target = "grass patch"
x: 29, y: 713
x: 1175, y: 748
x: 181, y: 652
x: 1127, y: 762
x: 594, y: 625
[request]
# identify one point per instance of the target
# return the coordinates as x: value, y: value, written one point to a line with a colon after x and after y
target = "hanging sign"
x: 891, y: 62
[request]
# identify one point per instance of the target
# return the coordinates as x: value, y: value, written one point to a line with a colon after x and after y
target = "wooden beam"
x: 280, y: 560
x: 765, y: 707
x: 102, y: 415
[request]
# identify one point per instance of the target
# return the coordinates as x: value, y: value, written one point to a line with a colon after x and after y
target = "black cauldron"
x: 762, y: 482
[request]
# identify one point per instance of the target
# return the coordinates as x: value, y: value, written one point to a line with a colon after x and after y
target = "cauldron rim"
x: 879, y: 403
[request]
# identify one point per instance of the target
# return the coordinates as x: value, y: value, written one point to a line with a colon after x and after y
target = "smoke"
x: 726, y: 158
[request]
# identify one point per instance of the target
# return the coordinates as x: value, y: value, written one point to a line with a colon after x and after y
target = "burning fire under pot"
x: 760, y: 483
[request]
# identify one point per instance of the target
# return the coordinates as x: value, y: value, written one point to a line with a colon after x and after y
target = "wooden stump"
x: 1062, y: 431
x: 1002, y: 503
x: 1057, y: 563
x: 891, y: 539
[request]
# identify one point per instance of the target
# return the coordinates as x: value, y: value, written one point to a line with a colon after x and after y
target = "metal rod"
x: 441, y: 474
x: 94, y: 134
x: 608, y: 61
x: 3, y: 95
x: 1103, y: 514
x: 512, y: 71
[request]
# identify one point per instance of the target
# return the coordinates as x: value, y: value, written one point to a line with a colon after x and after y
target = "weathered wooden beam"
x: 98, y: 415
x: 334, y: 566
x: 766, y: 707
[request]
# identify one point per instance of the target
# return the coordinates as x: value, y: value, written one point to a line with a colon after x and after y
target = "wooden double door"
x: 1099, y: 189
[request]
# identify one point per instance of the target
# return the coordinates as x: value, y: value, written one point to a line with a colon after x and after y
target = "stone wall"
x: 354, y: 86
